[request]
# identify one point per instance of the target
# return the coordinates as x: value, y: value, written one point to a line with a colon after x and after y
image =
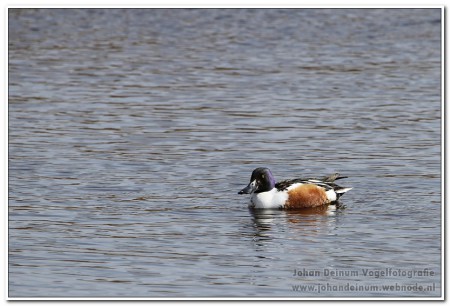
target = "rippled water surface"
x: 132, y: 130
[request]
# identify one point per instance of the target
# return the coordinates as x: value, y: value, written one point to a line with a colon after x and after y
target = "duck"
x: 291, y: 194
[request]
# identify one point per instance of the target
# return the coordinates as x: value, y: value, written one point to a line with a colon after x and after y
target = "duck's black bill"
x: 247, y: 190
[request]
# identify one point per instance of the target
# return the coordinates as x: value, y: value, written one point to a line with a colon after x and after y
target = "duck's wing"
x: 283, y: 185
x: 333, y: 177
x: 326, y: 182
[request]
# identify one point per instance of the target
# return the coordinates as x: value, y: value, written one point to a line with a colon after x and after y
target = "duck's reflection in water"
x: 269, y: 224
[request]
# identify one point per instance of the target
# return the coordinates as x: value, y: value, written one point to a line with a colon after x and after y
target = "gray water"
x: 132, y: 130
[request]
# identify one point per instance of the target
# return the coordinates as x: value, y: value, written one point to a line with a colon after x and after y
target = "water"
x: 131, y: 132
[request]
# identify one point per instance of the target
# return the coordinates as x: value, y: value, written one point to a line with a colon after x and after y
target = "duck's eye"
x: 263, y: 176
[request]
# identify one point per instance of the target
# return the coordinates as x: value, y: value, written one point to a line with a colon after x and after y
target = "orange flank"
x: 306, y: 195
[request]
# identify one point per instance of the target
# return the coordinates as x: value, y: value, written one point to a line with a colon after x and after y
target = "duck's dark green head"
x: 262, y: 180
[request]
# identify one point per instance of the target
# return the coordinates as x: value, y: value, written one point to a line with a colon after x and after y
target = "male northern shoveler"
x: 292, y: 194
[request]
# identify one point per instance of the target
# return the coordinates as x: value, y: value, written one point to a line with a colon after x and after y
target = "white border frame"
x: 230, y: 4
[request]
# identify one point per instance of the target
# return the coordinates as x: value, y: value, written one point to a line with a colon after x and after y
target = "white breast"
x: 269, y: 199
